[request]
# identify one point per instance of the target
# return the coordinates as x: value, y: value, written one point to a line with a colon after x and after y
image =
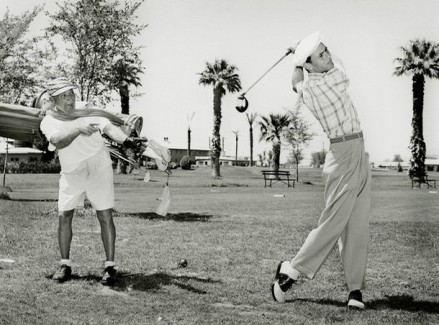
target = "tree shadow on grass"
x: 179, y: 217
x: 405, y: 302
x: 153, y: 282
x: 402, y: 302
x: 146, y: 282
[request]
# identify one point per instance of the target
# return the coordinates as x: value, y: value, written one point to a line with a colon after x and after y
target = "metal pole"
x: 283, y: 57
x: 6, y: 159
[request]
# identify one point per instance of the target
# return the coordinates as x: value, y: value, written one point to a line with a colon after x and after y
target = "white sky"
x: 253, y: 35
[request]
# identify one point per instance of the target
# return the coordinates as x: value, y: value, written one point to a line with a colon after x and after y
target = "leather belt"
x: 348, y: 137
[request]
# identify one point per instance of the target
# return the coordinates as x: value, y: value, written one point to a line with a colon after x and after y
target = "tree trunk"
x: 189, y: 142
x: 236, y: 151
x: 216, y: 137
x: 124, y: 99
x: 417, y: 144
x: 276, y: 155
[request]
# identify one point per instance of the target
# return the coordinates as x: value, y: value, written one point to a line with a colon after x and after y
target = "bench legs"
x: 287, y: 182
x: 419, y: 183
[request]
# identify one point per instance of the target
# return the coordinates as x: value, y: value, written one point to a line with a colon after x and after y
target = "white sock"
x: 109, y: 263
x: 65, y: 262
x: 287, y: 269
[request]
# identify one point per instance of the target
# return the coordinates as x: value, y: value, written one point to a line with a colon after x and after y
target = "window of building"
x: 33, y: 159
x: 14, y: 159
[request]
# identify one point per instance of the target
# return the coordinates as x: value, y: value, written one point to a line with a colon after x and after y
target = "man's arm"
x: 63, y: 139
x: 115, y: 133
x: 297, y: 79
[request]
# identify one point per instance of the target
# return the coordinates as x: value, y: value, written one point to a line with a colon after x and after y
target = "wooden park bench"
x: 274, y: 176
x: 417, y: 182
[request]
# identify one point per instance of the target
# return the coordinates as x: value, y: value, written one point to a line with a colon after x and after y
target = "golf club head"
x: 242, y: 104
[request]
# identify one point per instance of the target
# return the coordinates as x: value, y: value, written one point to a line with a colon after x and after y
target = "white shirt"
x: 83, y: 147
x: 326, y: 96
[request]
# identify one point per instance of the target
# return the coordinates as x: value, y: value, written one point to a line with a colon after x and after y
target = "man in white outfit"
x: 345, y: 218
x: 86, y: 169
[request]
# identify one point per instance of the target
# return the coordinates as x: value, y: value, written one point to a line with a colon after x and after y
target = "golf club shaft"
x: 283, y: 57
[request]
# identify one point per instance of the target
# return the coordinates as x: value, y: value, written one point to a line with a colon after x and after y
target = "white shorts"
x: 94, y: 178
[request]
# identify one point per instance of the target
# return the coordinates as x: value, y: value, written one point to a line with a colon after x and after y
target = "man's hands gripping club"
x: 133, y: 142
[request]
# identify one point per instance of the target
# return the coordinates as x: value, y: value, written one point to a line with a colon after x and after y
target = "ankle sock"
x: 67, y: 262
x: 110, y: 263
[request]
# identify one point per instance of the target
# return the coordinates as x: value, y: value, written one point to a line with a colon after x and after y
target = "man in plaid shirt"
x: 345, y: 218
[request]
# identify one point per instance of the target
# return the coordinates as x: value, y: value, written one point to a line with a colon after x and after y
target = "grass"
x: 232, y: 232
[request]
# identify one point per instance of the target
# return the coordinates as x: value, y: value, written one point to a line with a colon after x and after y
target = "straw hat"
x: 58, y: 86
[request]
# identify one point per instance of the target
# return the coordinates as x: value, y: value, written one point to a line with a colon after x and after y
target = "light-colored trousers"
x: 345, y: 218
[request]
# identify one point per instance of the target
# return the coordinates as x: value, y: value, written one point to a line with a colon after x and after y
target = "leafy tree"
x: 251, y: 119
x: 420, y: 59
x: 397, y: 158
x: 318, y: 158
x: 100, y: 34
x: 223, y: 77
x: 272, y: 129
x: 185, y: 162
x: 298, y: 135
x: 23, y: 61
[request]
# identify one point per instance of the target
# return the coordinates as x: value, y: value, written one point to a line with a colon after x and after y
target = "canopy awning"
x: 19, y: 122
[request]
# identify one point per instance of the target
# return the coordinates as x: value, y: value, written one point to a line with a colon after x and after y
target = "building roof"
x: 20, y: 151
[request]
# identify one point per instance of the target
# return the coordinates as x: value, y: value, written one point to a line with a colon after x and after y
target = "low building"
x: 178, y: 153
x: 432, y: 164
x: 21, y: 154
x: 224, y: 161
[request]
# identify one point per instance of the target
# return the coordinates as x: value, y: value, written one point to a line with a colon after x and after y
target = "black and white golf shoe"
x: 282, y: 283
x: 355, y: 300
x: 110, y: 275
x: 63, y: 274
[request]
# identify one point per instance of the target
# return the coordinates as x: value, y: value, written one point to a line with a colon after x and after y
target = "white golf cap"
x: 58, y: 86
x: 306, y: 47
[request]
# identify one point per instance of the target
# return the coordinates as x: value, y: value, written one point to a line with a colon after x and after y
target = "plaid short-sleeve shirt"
x: 326, y: 96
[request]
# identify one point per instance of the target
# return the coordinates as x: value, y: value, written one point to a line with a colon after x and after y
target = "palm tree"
x: 223, y: 77
x: 420, y: 59
x: 189, y: 120
x: 272, y: 129
x: 251, y: 118
x: 126, y: 73
x: 236, y: 133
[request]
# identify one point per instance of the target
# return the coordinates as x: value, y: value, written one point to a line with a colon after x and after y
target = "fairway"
x: 232, y: 232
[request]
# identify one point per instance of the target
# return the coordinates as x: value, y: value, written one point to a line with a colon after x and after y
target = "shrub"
x: 185, y: 162
x: 151, y: 165
x: 34, y: 167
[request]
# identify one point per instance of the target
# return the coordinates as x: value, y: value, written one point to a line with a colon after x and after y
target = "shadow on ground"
x: 403, y: 302
x: 180, y: 217
x: 146, y: 282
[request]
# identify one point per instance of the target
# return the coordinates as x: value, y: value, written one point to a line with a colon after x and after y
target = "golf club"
x: 242, y: 102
